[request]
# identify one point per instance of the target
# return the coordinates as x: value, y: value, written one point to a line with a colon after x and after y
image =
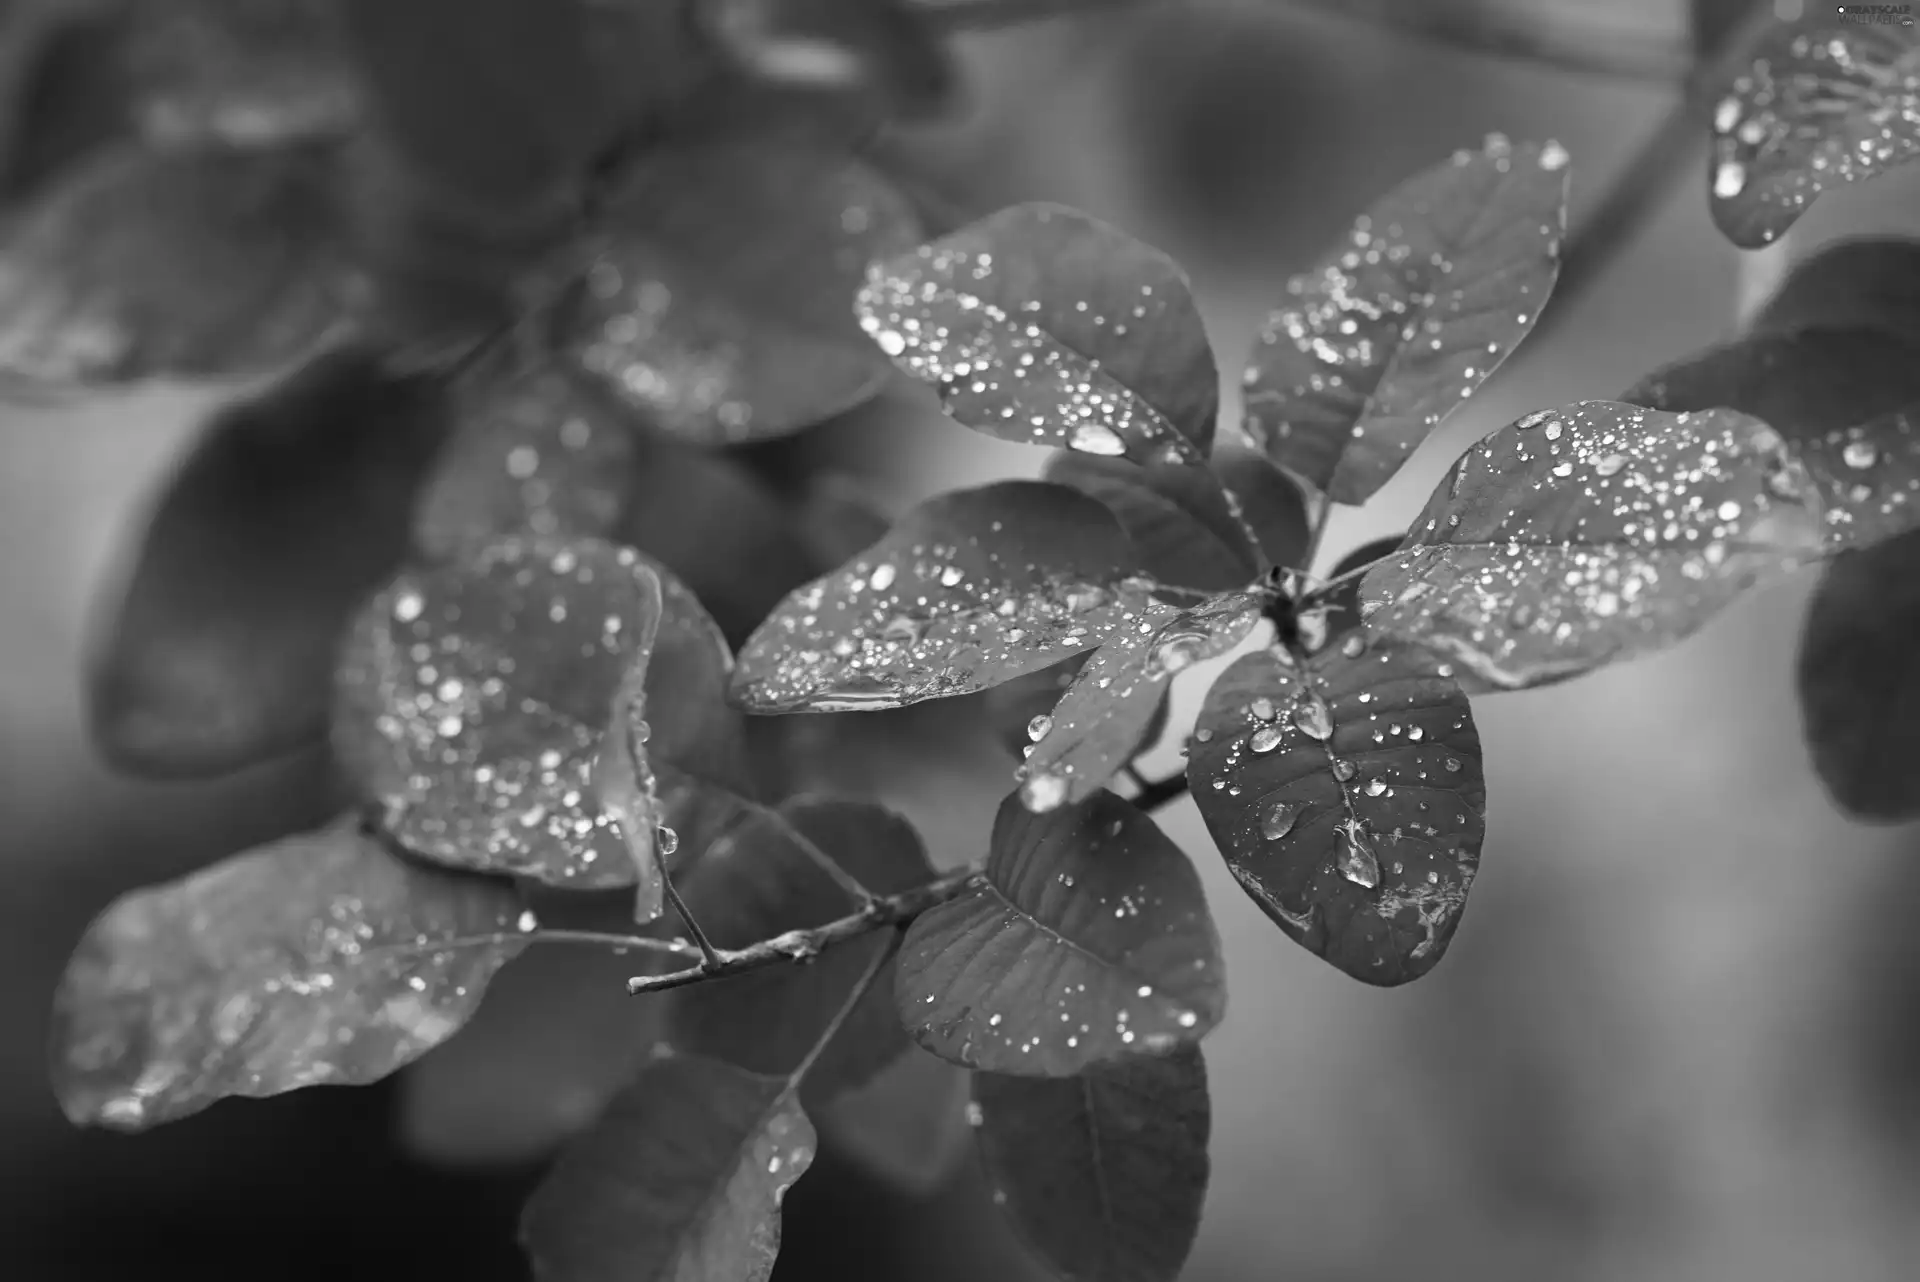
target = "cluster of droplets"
x: 1817, y: 111
x: 684, y: 370
x: 1389, y: 297
x: 1871, y: 483
x: 1596, y: 531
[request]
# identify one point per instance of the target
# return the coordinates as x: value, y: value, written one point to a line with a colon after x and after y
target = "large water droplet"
x: 1038, y: 727
x: 1094, y: 438
x: 1277, y: 822
x: 1043, y: 792
x: 1313, y: 718
x: 1265, y: 739
x: 1860, y: 455
x: 1357, y: 862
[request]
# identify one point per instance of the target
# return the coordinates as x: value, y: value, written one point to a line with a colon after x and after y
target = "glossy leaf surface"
x: 1178, y: 518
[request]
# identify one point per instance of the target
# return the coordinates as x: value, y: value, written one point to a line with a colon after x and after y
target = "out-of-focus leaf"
x: 473, y: 701
x: 1346, y: 795
x: 531, y: 451
x: 761, y: 880
x: 1270, y: 502
x: 681, y: 1179
x: 837, y: 520
x: 1101, y: 720
x: 249, y: 72
x: 1339, y: 606
x: 1178, y: 517
x: 1837, y: 395
x: 1103, y: 1174
x: 1826, y: 102
x: 1859, y: 679
x: 885, y: 49
x: 63, y: 95
x: 1040, y: 325
x: 968, y: 590
x: 288, y: 511
x: 719, y: 287
x: 1593, y: 533
x: 1016, y: 708
x: 1089, y: 940
x: 1431, y: 290
x: 1867, y: 281
x: 212, y: 262
x: 316, y: 959
x: 907, y: 1127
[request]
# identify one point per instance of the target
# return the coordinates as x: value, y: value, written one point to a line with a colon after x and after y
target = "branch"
x: 1160, y: 792
x: 805, y: 945
x: 948, y: 16
x: 1495, y: 33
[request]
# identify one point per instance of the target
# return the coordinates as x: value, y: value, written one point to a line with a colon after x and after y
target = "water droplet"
x: 1860, y: 455
x: 1553, y: 156
x: 528, y: 923
x: 1277, y: 822
x: 1265, y: 739
x: 882, y: 578
x: 976, y: 1116
x: 1376, y: 787
x: 407, y: 606
x: 1094, y: 438
x: 1453, y: 764
x: 1343, y: 769
x: 1313, y: 718
x: 666, y: 840
x: 1609, y: 464
x: 1261, y: 709
x: 1043, y: 792
x: 1729, y: 511
x: 1357, y: 861
x: 1729, y: 179
x: 1353, y: 646
x: 1038, y: 727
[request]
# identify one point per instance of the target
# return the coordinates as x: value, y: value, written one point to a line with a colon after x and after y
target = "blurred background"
x: 1678, y: 1035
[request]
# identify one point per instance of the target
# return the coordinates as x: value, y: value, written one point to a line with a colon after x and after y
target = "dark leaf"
x: 681, y: 1180
x: 1836, y: 395
x: 473, y: 701
x: 1271, y: 503
x: 62, y: 93
x: 1014, y: 708
x: 202, y: 263
x: 288, y: 511
x: 968, y: 590
x: 1103, y: 1174
x: 1826, y: 102
x: 1593, y: 533
x: 837, y: 520
x: 1338, y: 607
x: 1867, y: 281
x: 1178, y: 518
x: 1345, y: 793
x: 1040, y: 325
x: 721, y: 280
x: 1431, y: 290
x: 907, y: 1127
x: 762, y: 880
x: 1100, y: 722
x: 315, y: 959
x: 1088, y: 941
x: 1859, y: 679
x: 885, y: 49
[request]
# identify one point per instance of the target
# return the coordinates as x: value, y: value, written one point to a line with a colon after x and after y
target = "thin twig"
x: 614, y: 940
x: 1160, y: 792
x: 1645, y: 180
x: 1517, y: 37
x: 708, y: 952
x: 847, y: 1007
x: 832, y: 867
x: 805, y: 945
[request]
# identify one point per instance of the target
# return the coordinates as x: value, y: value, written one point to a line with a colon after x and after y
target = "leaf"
x: 1589, y: 534
x: 681, y: 1179
x: 212, y: 263
x: 760, y: 881
x: 1346, y: 795
x: 907, y: 1127
x: 315, y: 959
x: 1088, y: 941
x: 883, y: 48
x: 62, y: 94
x: 1836, y: 394
x: 969, y: 589
x: 1041, y: 325
x: 720, y: 281
x: 1103, y: 1174
x: 1177, y: 517
x: 472, y: 704
x: 1859, y: 683
x: 530, y: 452
x: 1100, y: 722
x: 1825, y: 103
x: 1431, y: 290
x: 289, y: 509
x: 837, y: 519
x: 1341, y: 603
x: 1866, y: 281
x: 1272, y: 505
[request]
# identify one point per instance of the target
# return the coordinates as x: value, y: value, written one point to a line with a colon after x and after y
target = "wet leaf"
x: 968, y: 590
x: 907, y: 1127
x: 1089, y: 940
x: 1341, y: 603
x: 1177, y: 517
x: 1869, y: 281
x: 1593, y: 533
x: 681, y: 1179
x: 719, y: 290
x: 285, y: 514
x: 881, y: 48
x: 1100, y: 722
x: 1346, y: 795
x: 1859, y: 680
x: 531, y: 451
x: 315, y: 959
x: 1103, y: 1174
x: 1825, y: 103
x: 1041, y: 325
x: 1431, y: 290
x: 203, y: 263
x: 760, y: 881
x: 473, y: 701
x: 1836, y: 394
x: 1012, y: 706
x: 1271, y: 503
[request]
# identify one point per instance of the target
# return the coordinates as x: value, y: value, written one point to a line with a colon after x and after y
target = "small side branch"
x: 1160, y: 792
x: 805, y: 945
